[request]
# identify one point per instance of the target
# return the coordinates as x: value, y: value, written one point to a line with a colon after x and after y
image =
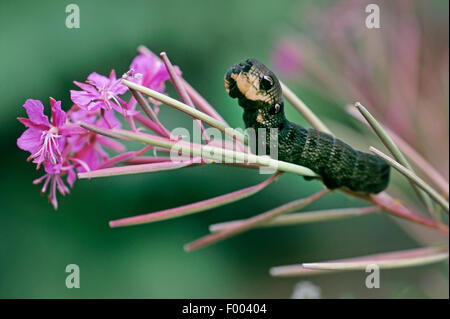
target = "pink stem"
x: 253, y: 221
x: 148, y: 160
x: 179, y: 87
x: 123, y: 157
x: 194, y: 207
x: 150, y: 113
x: 152, y: 126
x: 387, y: 203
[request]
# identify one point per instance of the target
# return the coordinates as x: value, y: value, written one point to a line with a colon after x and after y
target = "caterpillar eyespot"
x: 338, y: 164
x: 266, y: 83
x: 277, y: 108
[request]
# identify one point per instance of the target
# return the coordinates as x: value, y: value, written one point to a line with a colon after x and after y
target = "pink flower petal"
x: 143, y: 63
x: 93, y: 106
x: 71, y: 177
x: 119, y: 89
x: 82, y: 98
x: 52, y: 168
x: 82, y: 115
x: 111, y: 118
x: 30, y: 140
x: 72, y: 129
x: 111, y: 144
x: 99, y: 81
x: 35, y: 111
x: 58, y: 115
x: 85, y: 87
x: 88, y: 155
x: 29, y: 123
x: 112, y: 76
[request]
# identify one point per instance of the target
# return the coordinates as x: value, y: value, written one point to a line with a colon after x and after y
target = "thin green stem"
x: 187, y: 109
x: 214, y: 153
x: 148, y: 111
x: 413, y: 178
x: 304, y: 109
x: 383, y: 200
x: 420, y: 162
x: 395, y: 151
x: 181, y: 89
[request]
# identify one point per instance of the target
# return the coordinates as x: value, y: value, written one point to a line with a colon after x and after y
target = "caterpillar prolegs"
x: 259, y: 93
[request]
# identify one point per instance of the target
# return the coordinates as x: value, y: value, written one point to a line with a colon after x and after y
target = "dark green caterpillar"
x: 259, y: 93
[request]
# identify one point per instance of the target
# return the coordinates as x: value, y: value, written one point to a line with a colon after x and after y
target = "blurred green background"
x: 40, y: 57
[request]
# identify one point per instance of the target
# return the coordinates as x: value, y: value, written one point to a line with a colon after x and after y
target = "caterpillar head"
x: 255, y: 87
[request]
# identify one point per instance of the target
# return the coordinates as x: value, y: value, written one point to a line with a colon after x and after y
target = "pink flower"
x: 89, y: 147
x: 43, y: 139
x: 153, y: 70
x: 100, y: 93
x: 153, y: 73
x: 287, y: 58
x: 53, y: 178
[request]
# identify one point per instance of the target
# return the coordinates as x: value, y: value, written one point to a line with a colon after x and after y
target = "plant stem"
x: 133, y: 169
x: 383, y: 200
x: 213, y: 153
x: 392, y: 147
x: 187, y: 109
x: 413, y: 178
x: 181, y: 90
x: 304, y: 109
x: 302, y: 218
x: 194, y: 207
x: 253, y: 221
x: 202, y: 103
x: 397, y: 259
x: 434, y: 176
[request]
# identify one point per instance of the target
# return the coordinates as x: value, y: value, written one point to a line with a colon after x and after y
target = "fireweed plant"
x: 77, y: 143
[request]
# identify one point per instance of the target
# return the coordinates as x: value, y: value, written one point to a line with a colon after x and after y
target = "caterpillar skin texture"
x: 259, y: 93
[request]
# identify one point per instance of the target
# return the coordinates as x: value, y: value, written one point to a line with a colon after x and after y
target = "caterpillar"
x: 259, y: 93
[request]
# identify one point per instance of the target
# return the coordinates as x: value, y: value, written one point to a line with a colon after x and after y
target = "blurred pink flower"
x: 287, y: 58
x: 45, y: 140
x: 399, y: 72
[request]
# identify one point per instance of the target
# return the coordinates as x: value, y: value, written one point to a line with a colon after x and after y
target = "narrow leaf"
x: 304, y: 110
x: 398, y: 259
x: 392, y: 147
x: 194, y: 207
x: 253, y: 221
x: 425, y: 166
x: 414, y: 178
x: 134, y: 169
x: 302, y: 218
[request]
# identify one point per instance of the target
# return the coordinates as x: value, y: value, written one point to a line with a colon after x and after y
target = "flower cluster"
x: 62, y: 147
